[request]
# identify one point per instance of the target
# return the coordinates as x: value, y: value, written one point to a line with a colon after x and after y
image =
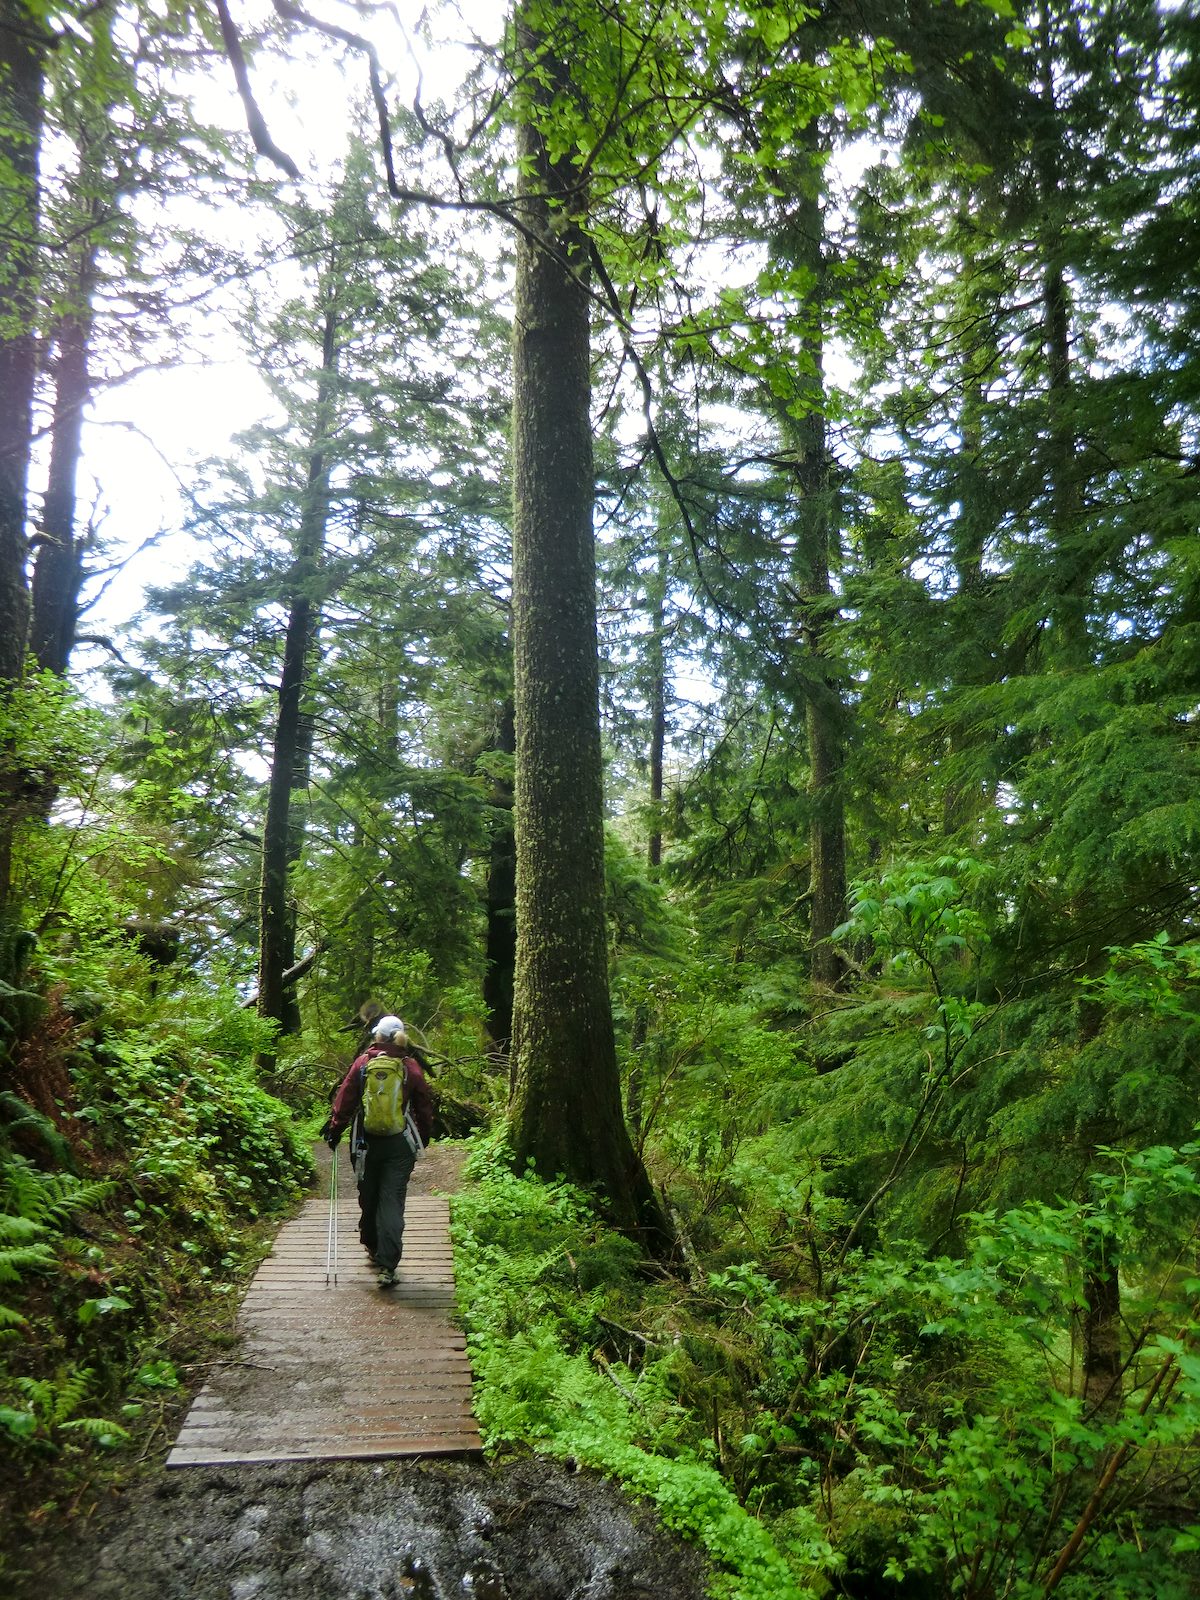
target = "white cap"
x: 390, y: 1028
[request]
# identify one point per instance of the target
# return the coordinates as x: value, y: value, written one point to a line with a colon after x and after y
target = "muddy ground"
x: 432, y: 1529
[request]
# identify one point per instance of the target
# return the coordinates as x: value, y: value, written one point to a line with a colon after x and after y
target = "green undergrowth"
x: 888, y: 1423
x: 140, y: 1163
x: 542, y: 1286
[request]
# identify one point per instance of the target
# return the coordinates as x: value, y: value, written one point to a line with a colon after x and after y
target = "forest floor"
x: 432, y: 1529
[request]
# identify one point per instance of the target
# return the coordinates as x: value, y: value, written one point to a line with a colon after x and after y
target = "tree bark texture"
x: 501, y: 945
x: 801, y: 241
x: 566, y: 1110
x: 658, y: 709
x: 21, y: 84
x: 282, y: 833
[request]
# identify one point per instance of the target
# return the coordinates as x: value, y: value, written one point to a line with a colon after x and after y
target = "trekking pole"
x: 331, y: 1243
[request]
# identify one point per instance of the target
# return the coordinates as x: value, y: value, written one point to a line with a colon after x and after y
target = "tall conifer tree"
x: 566, y: 1112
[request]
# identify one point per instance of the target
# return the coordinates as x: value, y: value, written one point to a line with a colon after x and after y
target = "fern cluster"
x: 34, y: 1206
x: 128, y: 1204
x: 535, y: 1271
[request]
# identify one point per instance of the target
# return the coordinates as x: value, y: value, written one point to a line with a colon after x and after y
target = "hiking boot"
x: 386, y: 1278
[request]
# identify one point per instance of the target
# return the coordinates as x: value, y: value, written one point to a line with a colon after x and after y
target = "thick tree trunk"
x: 566, y: 1109
x: 824, y: 710
x: 501, y: 949
x: 282, y: 830
x: 21, y: 76
x: 827, y: 837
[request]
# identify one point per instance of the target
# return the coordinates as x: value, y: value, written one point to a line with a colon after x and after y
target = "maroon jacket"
x: 349, y: 1097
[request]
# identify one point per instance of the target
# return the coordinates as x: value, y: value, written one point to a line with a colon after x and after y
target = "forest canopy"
x: 706, y: 623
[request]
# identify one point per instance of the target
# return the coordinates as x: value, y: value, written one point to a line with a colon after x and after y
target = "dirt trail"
x: 431, y: 1530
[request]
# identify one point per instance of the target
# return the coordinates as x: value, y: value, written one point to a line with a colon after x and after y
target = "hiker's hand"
x: 333, y: 1136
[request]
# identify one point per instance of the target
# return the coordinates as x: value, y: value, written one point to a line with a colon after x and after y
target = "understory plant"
x: 909, y: 1424
x: 538, y: 1276
x: 923, y: 1406
x: 130, y: 1195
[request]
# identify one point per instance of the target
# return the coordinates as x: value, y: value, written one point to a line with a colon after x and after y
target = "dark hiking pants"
x: 386, y: 1171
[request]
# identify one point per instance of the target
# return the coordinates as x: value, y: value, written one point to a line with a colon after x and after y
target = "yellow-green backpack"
x: 385, y: 1095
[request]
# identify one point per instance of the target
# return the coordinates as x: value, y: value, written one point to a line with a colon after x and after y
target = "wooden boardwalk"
x: 334, y: 1370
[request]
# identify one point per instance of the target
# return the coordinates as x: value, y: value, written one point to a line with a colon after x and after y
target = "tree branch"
x: 293, y: 974
x: 255, y: 121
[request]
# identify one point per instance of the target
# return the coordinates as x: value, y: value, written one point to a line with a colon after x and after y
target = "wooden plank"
x: 313, y: 1287
x: 346, y: 1450
x: 337, y: 1409
x: 437, y: 1271
x: 340, y: 1370
x: 273, y: 1429
x: 265, y: 1433
x: 400, y: 1345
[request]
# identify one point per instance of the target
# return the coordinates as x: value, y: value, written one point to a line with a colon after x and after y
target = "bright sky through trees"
x: 148, y: 434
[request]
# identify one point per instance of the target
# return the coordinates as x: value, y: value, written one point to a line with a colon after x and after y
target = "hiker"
x: 365, y: 1019
x: 397, y: 1119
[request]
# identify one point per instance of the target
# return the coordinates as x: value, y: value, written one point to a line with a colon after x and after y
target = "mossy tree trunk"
x: 501, y: 949
x: 566, y: 1109
x: 84, y: 222
x: 21, y: 80
x: 58, y: 570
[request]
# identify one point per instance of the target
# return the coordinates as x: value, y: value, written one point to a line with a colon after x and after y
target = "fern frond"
x: 66, y: 1195
x: 57, y: 1400
x: 99, y: 1430
x: 16, y: 1115
x: 46, y: 1197
x: 19, y: 1230
x: 17, y: 1260
x: 70, y: 1394
x: 21, y: 1190
x: 40, y: 1394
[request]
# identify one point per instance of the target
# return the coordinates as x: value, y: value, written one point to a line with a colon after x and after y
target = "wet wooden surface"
x: 330, y: 1366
